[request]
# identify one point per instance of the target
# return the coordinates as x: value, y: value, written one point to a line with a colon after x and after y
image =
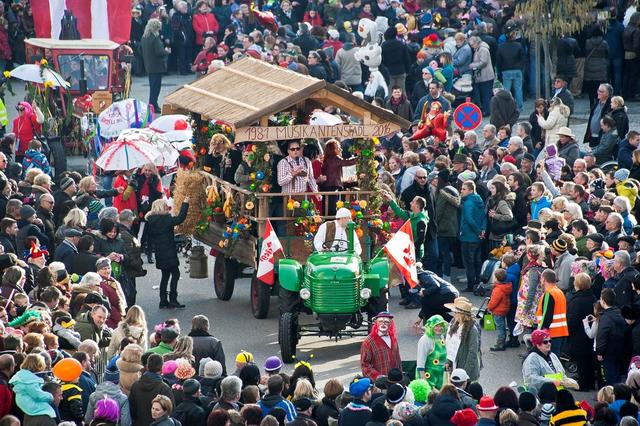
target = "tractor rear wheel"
x: 57, y: 156
x: 288, y: 336
x: 260, y: 297
x: 224, y: 277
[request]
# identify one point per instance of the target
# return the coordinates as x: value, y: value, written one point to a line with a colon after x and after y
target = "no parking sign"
x: 467, y: 116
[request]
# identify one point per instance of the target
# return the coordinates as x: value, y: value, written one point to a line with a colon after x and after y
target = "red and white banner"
x: 402, y: 252
x: 97, y: 19
x: 270, y: 246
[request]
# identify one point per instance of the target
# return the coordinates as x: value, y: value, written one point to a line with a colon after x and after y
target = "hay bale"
x: 189, y: 183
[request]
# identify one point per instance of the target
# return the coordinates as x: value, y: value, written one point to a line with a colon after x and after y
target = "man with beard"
x: 379, y: 352
x: 435, y: 94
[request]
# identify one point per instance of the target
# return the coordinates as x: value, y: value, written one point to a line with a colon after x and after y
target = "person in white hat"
x: 332, y: 236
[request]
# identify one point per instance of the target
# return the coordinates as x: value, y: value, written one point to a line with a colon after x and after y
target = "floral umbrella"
x: 168, y: 153
x: 122, y: 115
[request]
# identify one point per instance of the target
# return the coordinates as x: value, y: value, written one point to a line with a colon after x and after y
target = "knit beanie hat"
x: 108, y: 410
x: 559, y: 245
x: 212, y: 369
x: 26, y: 212
x: 95, y: 206
x: 547, y: 411
x: 169, y: 367
x: 527, y: 401
x: 621, y: 174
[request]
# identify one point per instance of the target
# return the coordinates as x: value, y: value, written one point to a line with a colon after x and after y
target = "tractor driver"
x: 332, y: 236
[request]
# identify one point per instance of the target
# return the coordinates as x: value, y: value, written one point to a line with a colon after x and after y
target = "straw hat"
x: 565, y: 131
x: 461, y: 305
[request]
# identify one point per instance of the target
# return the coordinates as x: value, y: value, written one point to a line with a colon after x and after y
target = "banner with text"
x: 303, y: 131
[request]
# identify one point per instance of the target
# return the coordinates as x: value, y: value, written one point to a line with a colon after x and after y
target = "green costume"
x: 432, y: 352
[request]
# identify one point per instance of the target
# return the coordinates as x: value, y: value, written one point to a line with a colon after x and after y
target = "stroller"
x: 485, y: 286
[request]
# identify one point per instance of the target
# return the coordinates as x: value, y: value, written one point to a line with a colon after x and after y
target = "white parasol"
x: 175, y: 127
x: 122, y: 115
x: 168, y: 153
x: 35, y: 74
x: 128, y: 154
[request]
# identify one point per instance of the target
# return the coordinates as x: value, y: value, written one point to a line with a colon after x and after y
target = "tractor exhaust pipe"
x: 350, y: 236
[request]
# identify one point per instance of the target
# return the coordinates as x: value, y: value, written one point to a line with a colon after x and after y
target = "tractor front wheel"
x: 260, y: 297
x: 288, y: 336
x: 224, y: 277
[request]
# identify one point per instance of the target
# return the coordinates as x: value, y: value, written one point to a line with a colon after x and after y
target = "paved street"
x: 234, y: 324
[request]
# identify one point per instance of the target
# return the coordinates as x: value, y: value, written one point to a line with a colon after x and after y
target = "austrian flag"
x: 402, y: 252
x: 97, y: 19
x: 270, y: 246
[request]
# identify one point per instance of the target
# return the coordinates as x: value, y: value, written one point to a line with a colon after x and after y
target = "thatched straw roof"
x: 249, y: 89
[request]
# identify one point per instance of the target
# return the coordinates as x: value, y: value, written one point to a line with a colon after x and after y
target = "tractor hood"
x: 333, y: 266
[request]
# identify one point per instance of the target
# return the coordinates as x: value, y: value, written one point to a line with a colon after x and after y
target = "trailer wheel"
x: 224, y: 277
x: 57, y: 157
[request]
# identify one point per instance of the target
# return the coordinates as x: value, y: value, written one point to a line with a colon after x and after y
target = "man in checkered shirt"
x: 294, y: 171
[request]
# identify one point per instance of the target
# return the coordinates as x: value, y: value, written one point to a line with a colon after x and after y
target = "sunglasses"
x: 421, y: 177
x: 546, y: 341
x: 20, y: 108
x: 294, y: 149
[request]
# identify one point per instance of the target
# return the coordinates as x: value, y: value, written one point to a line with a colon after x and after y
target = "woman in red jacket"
x: 208, y: 53
x: 127, y: 198
x: 26, y: 126
x: 312, y: 16
x: 205, y: 24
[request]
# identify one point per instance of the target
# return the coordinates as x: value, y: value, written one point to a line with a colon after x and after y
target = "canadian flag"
x: 97, y: 19
x: 270, y: 246
x: 402, y: 252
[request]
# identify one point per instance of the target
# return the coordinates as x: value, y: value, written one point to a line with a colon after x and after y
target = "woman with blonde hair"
x: 559, y: 203
x: 182, y: 349
x: 304, y: 389
x: 130, y: 366
x: 161, y: 225
x: 148, y: 189
x: 89, y: 196
x: 134, y: 325
x: 619, y: 115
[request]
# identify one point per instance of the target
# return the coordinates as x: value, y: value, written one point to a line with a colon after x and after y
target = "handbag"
x: 488, y: 323
x: 501, y: 227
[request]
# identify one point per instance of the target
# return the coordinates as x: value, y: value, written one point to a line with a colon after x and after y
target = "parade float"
x: 256, y: 105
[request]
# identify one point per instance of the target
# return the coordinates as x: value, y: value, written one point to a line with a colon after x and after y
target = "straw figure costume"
x: 432, y: 123
x: 432, y: 352
x: 379, y: 352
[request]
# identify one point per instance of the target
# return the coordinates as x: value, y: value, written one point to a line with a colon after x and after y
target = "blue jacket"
x: 271, y: 401
x: 35, y: 159
x: 627, y: 225
x: 88, y: 386
x: 625, y: 154
x: 513, y: 276
x: 30, y: 397
x: 473, y: 219
x: 539, y: 204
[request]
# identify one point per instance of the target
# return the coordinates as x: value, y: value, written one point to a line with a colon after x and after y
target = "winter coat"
x: 350, y: 69
x: 133, y: 253
x: 443, y: 408
x: 161, y: 236
x: 181, y: 30
x: 166, y: 421
x: 68, y: 339
x: 126, y: 200
x: 462, y: 59
x: 605, y: 149
x: 8, y: 242
x: 153, y: 54
x: 395, y: 57
x: 87, y: 329
x: 447, y: 205
x: 624, y: 289
x: 204, y: 23
x: 30, y: 397
x: 510, y: 56
x: 63, y: 203
x: 503, y: 109
x: 504, y: 213
x: 29, y: 230
x: 481, y: 64
x: 121, y: 332
x: 525, y: 418
x: 539, y: 204
x: 596, y: 62
x: 270, y: 401
x: 558, y: 117
x: 473, y: 219
x: 207, y: 346
x: 535, y: 367
x: 562, y: 267
x: 326, y: 410
x: 142, y: 393
x: 190, y: 412
x: 403, y: 109
x: 26, y: 127
x: 621, y: 118
x: 112, y: 391
x: 610, y: 334
x: 112, y: 290
x: 469, y: 355
x: 570, y: 151
x: 631, y: 37
x: 500, y: 302
x: 83, y: 262
x: 155, y: 191
x: 34, y: 158
x: 567, y: 50
x: 579, y: 306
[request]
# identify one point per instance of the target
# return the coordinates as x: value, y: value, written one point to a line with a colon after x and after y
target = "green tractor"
x: 335, y: 286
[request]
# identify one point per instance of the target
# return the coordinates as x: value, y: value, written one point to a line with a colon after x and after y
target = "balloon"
x: 67, y: 370
x: 252, y: 187
x: 363, y: 204
x: 251, y: 156
x: 180, y: 125
x: 305, y: 204
x: 252, y: 176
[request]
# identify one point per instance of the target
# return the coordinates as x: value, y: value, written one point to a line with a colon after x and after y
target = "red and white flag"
x: 270, y: 246
x: 402, y: 252
x: 97, y: 19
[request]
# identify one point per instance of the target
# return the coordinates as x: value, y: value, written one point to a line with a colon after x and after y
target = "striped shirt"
x: 575, y: 417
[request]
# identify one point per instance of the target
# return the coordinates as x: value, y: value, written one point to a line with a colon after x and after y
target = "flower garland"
x: 307, y: 219
x: 367, y: 169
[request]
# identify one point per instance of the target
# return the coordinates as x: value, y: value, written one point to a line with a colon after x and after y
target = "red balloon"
x: 180, y: 125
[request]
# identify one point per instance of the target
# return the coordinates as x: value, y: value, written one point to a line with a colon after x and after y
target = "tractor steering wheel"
x: 338, y: 249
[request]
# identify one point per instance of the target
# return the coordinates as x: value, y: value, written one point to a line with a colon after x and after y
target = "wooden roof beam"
x: 344, y: 104
x: 259, y: 80
x: 221, y: 98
